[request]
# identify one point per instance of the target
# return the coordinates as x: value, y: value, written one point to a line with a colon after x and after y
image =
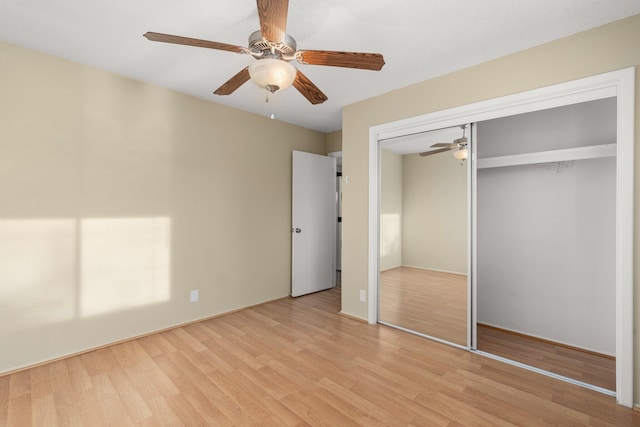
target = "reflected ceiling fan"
x: 459, y: 144
x: 273, y: 49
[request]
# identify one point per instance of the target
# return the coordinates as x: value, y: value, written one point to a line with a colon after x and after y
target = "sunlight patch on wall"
x: 55, y: 270
x: 390, y: 233
x: 37, y: 271
x: 124, y: 263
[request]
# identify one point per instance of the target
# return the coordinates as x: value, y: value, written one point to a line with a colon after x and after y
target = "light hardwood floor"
x: 294, y: 362
x: 435, y: 303
x: 591, y: 368
x: 426, y: 301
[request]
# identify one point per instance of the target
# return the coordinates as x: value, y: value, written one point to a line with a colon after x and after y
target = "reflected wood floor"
x: 435, y: 303
x: 294, y: 362
x: 426, y: 301
x: 580, y: 365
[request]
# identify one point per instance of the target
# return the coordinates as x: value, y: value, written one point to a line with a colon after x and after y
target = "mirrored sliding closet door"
x: 424, y: 233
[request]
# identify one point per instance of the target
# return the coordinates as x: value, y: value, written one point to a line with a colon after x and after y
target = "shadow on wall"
x: 55, y: 270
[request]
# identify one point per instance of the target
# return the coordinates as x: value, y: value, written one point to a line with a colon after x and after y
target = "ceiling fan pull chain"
x: 266, y: 100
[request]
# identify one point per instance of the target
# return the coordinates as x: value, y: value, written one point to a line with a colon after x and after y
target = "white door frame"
x: 619, y: 83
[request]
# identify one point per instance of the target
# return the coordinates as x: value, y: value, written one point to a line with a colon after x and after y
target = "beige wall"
x: 119, y: 197
x: 607, y: 48
x: 434, y: 213
x: 334, y: 142
x: 423, y: 221
x: 390, y: 210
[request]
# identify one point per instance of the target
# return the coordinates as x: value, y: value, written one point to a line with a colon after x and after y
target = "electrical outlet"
x: 363, y: 295
x: 194, y: 295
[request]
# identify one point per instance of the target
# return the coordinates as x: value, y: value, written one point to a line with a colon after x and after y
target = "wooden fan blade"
x: 273, y: 19
x: 363, y: 61
x: 441, y: 150
x: 233, y: 83
x: 168, y: 38
x: 446, y: 144
x: 308, y: 89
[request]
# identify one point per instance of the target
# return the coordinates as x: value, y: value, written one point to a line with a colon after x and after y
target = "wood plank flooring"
x: 294, y: 362
x: 426, y: 301
x: 435, y: 304
x: 570, y: 362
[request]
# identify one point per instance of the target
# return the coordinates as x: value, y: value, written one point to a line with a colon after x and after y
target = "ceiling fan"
x: 273, y: 49
x: 459, y: 143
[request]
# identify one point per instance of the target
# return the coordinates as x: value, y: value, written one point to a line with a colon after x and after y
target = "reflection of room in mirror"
x: 425, y: 301
x: 423, y: 237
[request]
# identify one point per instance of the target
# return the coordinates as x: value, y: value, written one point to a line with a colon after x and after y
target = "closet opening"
x: 545, y: 241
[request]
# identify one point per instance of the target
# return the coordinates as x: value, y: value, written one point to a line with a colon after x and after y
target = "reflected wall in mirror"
x: 423, y: 237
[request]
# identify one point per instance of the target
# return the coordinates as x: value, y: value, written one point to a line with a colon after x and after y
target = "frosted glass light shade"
x: 273, y: 74
x: 461, y: 154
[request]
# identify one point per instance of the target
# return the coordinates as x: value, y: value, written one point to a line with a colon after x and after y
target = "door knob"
x: 297, y: 230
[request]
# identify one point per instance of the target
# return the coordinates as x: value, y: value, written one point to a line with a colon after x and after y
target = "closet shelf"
x: 567, y: 154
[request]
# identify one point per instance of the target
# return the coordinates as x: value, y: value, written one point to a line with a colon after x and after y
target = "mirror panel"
x: 423, y: 237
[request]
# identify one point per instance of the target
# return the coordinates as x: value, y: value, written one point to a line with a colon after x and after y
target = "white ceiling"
x: 420, y: 39
x: 422, y: 142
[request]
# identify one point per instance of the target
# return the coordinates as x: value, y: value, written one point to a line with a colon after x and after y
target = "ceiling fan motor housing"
x: 259, y: 46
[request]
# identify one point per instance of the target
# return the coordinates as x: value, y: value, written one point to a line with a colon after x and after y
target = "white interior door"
x: 313, y: 228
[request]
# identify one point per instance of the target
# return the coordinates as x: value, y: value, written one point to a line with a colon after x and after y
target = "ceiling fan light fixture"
x: 461, y: 154
x: 272, y: 74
